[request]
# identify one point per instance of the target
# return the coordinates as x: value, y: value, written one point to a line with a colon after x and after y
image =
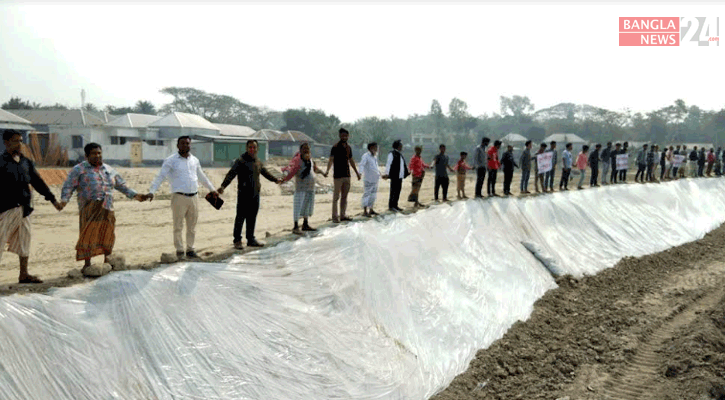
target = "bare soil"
x: 649, y: 328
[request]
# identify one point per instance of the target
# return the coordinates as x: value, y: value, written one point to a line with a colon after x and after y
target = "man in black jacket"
x: 17, y: 174
x: 480, y: 163
x: 247, y: 169
x: 613, y: 155
x: 651, y: 163
x: 594, y: 165
x: 508, y: 169
x: 701, y: 162
x: 396, y: 169
x: 606, y: 159
x: 693, y: 161
x: 641, y: 164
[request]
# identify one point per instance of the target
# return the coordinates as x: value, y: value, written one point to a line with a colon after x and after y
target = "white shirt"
x: 369, y: 167
x: 183, y: 174
x: 390, y: 162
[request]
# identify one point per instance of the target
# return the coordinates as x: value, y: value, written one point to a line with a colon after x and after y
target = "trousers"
x: 441, y: 182
x: 491, y: 188
x: 184, y: 209
x: 525, y: 174
x: 247, y: 209
x: 480, y: 178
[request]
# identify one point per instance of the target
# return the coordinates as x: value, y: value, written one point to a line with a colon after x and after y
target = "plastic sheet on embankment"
x: 376, y: 310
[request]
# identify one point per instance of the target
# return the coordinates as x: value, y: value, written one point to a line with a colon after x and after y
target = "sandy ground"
x: 144, y: 230
x: 648, y: 328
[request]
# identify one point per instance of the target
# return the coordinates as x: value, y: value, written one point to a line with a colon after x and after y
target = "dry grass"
x: 55, y: 155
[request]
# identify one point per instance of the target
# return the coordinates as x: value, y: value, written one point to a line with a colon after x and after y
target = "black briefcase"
x: 215, y: 202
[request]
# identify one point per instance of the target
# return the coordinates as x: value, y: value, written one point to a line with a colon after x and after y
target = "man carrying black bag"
x: 247, y: 169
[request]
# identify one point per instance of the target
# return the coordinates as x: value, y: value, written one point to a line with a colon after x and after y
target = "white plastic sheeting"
x: 376, y: 310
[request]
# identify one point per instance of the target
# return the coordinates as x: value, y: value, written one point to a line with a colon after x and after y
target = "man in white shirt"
x: 183, y: 171
x: 396, y: 169
x: 371, y: 177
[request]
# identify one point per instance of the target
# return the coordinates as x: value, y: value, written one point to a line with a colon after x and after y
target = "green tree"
x: 16, y: 103
x: 56, y: 106
x: 213, y: 107
x: 461, y: 123
x: 437, y: 120
x: 119, y: 110
x: 315, y: 123
x: 518, y: 107
x: 263, y: 118
x: 373, y: 129
x: 90, y: 107
x: 145, y: 107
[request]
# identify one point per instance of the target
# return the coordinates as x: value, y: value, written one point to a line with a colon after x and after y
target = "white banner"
x: 543, y: 161
x: 622, y: 161
x: 677, y: 160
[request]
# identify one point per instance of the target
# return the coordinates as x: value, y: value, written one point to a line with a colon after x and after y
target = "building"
x: 235, y: 130
x: 74, y: 128
x: 287, y: 144
x: 564, y: 138
x: 424, y: 139
x: 515, y: 140
x: 140, y: 139
x: 225, y: 149
x: 131, y: 141
x: 177, y: 124
x: 11, y: 121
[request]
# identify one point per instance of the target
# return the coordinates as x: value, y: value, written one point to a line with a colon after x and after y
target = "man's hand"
x: 385, y: 176
x: 358, y: 175
x: 59, y: 206
x: 150, y: 197
x: 220, y: 191
x: 215, y: 194
x: 139, y: 197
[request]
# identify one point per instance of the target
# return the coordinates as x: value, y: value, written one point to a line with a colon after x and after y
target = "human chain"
x: 93, y: 181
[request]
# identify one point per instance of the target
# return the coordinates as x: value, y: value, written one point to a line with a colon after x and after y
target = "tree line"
x: 676, y: 123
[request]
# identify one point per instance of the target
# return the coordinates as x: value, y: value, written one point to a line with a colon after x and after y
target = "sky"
x: 353, y: 59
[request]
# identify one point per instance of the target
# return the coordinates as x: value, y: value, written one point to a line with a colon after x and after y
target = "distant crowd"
x: 94, y: 182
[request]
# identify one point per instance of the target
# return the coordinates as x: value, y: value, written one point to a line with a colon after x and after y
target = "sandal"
x: 30, y: 279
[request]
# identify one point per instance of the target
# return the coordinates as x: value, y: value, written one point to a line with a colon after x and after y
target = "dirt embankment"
x: 648, y: 328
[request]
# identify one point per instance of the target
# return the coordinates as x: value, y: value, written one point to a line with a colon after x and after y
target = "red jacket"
x: 493, y: 162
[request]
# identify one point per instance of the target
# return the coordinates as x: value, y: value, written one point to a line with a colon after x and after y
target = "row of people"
x: 94, y: 182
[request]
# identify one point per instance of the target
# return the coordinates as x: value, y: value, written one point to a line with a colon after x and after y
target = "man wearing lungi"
x: 184, y: 172
x: 371, y: 177
x: 247, y: 169
x: 17, y: 174
x: 94, y: 181
x: 303, y: 169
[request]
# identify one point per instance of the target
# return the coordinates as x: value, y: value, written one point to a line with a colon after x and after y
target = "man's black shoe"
x: 191, y: 254
x: 254, y: 243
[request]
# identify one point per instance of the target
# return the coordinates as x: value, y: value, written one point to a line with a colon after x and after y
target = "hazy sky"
x: 352, y: 60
